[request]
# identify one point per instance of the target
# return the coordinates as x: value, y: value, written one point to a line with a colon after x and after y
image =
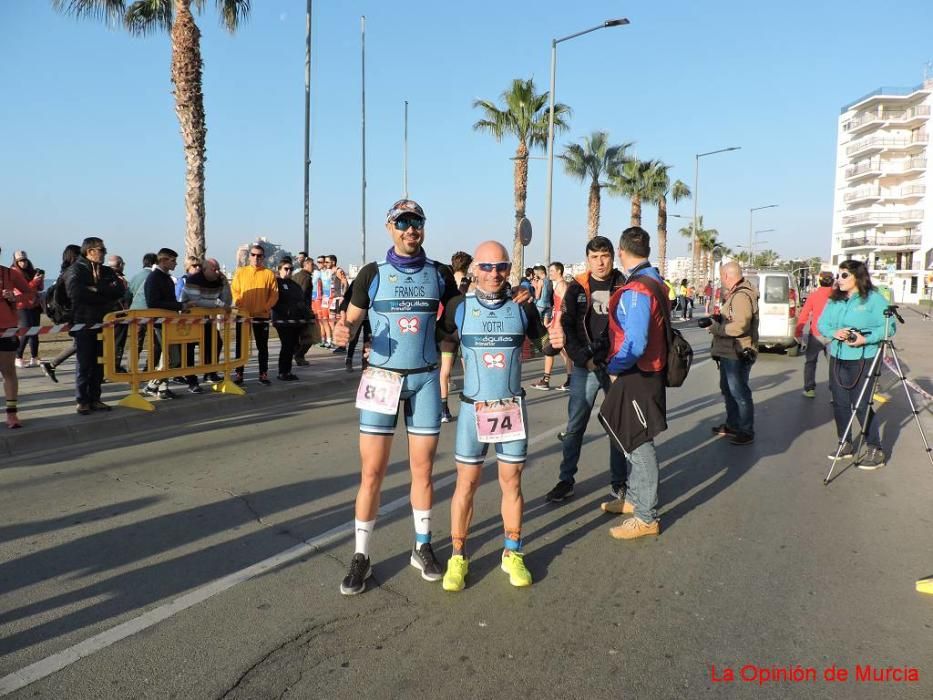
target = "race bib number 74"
x: 379, y: 391
x: 499, y: 421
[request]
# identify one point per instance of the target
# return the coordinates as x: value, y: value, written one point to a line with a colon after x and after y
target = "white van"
x: 778, y: 306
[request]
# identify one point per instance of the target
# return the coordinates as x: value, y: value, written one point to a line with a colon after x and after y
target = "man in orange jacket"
x: 255, y: 292
x: 815, y: 344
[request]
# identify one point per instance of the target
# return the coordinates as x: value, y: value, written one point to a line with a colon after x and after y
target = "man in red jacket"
x: 815, y: 344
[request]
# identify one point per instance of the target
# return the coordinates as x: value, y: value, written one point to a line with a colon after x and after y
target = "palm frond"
x: 110, y: 11
x: 148, y: 16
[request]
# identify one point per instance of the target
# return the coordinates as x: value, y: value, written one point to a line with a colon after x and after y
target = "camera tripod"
x: 871, y: 381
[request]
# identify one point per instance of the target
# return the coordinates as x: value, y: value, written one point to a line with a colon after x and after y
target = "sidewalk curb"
x: 128, y: 422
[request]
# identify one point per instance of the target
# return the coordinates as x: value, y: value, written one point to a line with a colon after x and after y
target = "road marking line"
x: 60, y: 660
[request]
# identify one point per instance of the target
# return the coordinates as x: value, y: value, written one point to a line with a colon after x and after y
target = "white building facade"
x: 883, y: 204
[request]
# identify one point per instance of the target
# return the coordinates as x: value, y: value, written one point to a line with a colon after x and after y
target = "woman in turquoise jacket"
x: 854, y: 319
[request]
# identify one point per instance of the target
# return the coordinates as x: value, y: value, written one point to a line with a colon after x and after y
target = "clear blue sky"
x: 90, y: 140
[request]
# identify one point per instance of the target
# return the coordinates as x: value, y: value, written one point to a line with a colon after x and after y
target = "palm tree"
x: 659, y: 189
x: 594, y: 159
x: 524, y: 115
x: 696, y: 244
x: 633, y: 181
x: 144, y: 17
x: 708, y: 241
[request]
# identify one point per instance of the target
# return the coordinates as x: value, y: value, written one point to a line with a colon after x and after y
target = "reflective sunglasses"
x: 406, y: 222
x: 843, y: 275
x: 497, y: 266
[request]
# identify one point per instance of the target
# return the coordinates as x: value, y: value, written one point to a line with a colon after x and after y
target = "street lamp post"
x: 751, y: 235
x: 307, y: 159
x: 696, y: 184
x: 550, y: 126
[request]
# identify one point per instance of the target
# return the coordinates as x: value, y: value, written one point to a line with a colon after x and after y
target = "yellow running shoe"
x: 455, y: 578
x: 513, y: 563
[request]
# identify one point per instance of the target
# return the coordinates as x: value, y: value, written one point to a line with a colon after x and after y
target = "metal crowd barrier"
x: 178, y: 333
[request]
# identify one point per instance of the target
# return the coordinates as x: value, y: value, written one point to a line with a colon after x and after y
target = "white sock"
x: 364, y: 531
x: 422, y: 525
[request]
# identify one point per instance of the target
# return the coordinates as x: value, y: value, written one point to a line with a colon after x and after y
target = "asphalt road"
x: 140, y: 543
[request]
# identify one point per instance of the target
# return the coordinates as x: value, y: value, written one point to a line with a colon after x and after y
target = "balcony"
x: 883, y: 218
x: 908, y: 117
x: 866, y: 168
x: 876, y: 144
x: 905, y: 167
x: 879, y: 240
x: 862, y: 122
x: 905, y: 192
x: 863, y: 194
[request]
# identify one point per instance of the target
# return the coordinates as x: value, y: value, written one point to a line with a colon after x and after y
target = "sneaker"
x: 19, y: 362
x: 195, y: 389
x: 212, y: 377
x: 48, y: 370
x: 150, y: 390
x: 809, y: 393
x: 633, y: 528
x: 564, y: 387
x: 166, y: 393
x: 99, y: 406
x: 542, y: 385
x: 338, y: 351
x: 288, y: 377
x: 34, y: 362
x: 422, y: 558
x: 264, y: 378
x: 455, y: 578
x: 723, y: 430
x: 322, y: 345
x: 84, y: 409
x: 513, y: 563
x: 619, y: 506
x: 561, y: 435
x: 872, y: 459
x: 354, y: 582
x: 742, y: 439
x: 238, y: 376
x: 179, y: 380
x: 446, y: 416
x: 348, y: 365
x: 561, y: 492
x: 847, y: 451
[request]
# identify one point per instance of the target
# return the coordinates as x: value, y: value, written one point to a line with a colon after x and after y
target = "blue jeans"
x: 584, y: 385
x: 733, y: 383
x: 846, y: 374
x: 642, y: 489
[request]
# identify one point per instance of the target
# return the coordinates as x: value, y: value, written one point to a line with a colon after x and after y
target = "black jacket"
x: 576, y: 310
x: 291, y: 305
x: 91, y: 299
x: 160, y: 291
x: 635, y: 409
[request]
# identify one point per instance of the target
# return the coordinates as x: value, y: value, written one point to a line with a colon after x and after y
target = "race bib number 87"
x: 499, y: 421
x: 379, y: 391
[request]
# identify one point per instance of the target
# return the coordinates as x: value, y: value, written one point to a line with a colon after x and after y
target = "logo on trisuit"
x: 496, y: 361
x: 408, y: 325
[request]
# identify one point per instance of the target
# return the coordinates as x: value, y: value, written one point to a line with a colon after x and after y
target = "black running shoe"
x: 48, y: 370
x: 560, y: 493
x: 847, y: 451
x: 422, y: 557
x: 742, y: 439
x: 354, y: 582
x: 872, y: 459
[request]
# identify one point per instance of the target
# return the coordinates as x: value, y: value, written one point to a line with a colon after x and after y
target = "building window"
x: 913, y: 284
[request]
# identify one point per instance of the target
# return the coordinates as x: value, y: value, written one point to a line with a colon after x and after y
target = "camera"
x: 40, y: 271
x: 850, y: 334
x: 707, y: 322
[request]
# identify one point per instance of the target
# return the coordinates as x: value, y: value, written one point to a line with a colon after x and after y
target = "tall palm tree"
x: 593, y: 159
x: 696, y: 245
x: 524, y: 115
x: 659, y: 188
x: 144, y: 17
x: 708, y: 240
x: 633, y: 181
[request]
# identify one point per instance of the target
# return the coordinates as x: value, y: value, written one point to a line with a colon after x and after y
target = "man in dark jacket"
x: 304, y: 277
x: 585, y: 323
x: 637, y: 401
x: 92, y: 290
x: 160, y: 294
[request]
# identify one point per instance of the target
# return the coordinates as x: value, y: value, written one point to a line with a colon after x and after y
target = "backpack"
x: 57, y: 304
x: 679, y: 351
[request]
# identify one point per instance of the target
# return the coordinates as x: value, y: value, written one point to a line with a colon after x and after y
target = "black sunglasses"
x: 403, y: 223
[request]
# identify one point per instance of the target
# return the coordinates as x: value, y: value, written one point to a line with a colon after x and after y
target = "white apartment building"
x: 883, y: 204
x: 679, y: 268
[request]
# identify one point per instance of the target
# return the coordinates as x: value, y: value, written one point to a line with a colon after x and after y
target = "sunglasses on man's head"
x: 497, y: 266
x: 405, y: 222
